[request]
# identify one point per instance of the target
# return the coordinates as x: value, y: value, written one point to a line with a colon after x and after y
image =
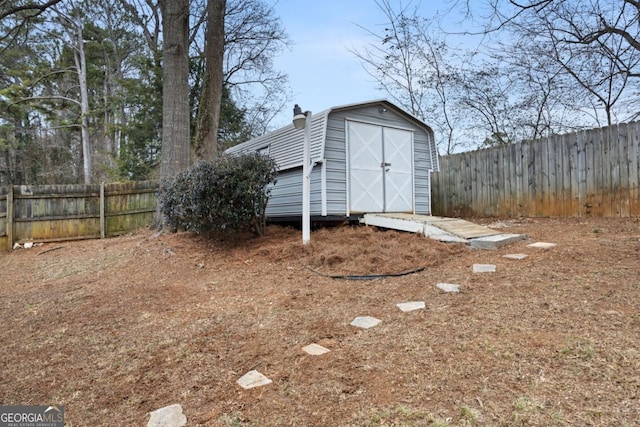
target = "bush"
x: 229, y: 194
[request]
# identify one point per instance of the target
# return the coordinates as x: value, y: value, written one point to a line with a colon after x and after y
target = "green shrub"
x: 229, y: 194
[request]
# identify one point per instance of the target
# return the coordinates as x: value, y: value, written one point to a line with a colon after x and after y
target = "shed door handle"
x: 384, y: 164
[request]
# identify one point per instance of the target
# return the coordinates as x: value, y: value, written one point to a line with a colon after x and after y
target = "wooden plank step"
x: 457, y: 227
x: 461, y: 228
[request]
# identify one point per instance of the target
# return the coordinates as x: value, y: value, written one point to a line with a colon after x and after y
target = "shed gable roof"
x: 286, y: 144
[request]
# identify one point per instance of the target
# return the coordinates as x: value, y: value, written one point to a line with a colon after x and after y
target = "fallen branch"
x: 51, y: 250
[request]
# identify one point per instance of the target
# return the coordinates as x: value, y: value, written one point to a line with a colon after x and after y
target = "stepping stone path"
x: 448, y: 287
x: 542, y: 245
x: 365, y: 322
x: 253, y: 379
x: 515, y: 256
x: 412, y: 305
x: 169, y: 416
x: 484, y: 268
x: 315, y: 349
x: 172, y: 416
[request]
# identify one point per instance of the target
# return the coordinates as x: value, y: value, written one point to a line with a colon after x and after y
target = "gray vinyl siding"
x: 286, y: 195
x: 422, y: 173
x: 286, y: 145
x: 336, y: 150
x: 329, y: 146
x: 316, y: 192
x: 335, y: 155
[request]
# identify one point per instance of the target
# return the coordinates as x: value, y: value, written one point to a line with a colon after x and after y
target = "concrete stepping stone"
x: 365, y: 322
x: 315, y: 349
x: 253, y: 379
x: 169, y: 416
x: 542, y: 245
x: 515, y: 256
x: 495, y: 241
x: 411, y: 305
x: 484, y: 268
x: 448, y: 287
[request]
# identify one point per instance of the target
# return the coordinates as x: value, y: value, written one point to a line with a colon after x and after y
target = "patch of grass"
x: 522, y: 404
x: 581, y: 348
x: 469, y: 415
x: 288, y: 389
x: 234, y: 420
x: 400, y: 416
x: 558, y: 419
x: 524, y: 411
x: 529, y: 411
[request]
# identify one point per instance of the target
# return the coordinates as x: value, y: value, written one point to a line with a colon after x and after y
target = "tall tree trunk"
x: 113, y: 85
x: 81, y: 66
x: 206, y: 141
x: 176, y: 144
x: 175, y: 87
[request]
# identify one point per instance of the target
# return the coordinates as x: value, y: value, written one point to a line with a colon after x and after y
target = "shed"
x: 370, y: 157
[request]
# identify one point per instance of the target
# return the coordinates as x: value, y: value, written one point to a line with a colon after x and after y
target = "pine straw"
x: 343, y: 250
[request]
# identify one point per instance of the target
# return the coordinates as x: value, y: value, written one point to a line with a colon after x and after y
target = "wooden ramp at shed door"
x: 456, y: 226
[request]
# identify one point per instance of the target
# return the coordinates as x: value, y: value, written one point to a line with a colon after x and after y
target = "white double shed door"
x: 380, y: 160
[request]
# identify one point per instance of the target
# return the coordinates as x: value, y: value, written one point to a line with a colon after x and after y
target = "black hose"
x: 366, y: 276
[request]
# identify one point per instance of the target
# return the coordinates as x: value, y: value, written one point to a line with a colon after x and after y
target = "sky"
x: 322, y: 72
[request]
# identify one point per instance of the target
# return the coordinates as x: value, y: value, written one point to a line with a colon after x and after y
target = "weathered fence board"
x: 634, y: 168
x: 49, y: 213
x: 129, y: 206
x: 4, y: 214
x: 587, y: 173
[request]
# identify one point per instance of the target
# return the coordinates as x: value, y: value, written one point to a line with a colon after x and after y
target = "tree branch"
x: 38, y: 9
x: 40, y: 98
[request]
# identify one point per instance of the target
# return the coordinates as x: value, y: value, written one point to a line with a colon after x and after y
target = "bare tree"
x: 146, y: 14
x: 253, y: 37
x: 539, y: 97
x: 485, y: 97
x: 591, y: 24
x: 596, y: 43
x: 412, y: 63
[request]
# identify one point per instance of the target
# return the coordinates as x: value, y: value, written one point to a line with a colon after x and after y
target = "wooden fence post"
x: 9, y: 219
x: 102, y: 221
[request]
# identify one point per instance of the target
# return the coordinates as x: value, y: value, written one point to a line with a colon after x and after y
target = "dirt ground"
x: 113, y: 329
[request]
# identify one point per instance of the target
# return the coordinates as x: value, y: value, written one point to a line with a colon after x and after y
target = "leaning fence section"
x: 588, y: 173
x: 47, y: 213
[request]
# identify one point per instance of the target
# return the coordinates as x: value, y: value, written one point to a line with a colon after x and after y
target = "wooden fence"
x: 49, y: 213
x: 589, y: 173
